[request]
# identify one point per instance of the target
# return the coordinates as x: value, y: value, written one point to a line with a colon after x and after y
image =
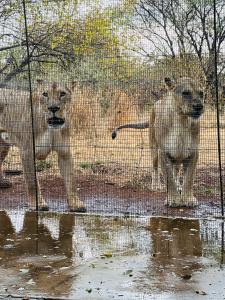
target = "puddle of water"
x: 91, y: 257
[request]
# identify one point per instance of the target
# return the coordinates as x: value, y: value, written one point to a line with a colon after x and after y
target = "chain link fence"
x: 70, y: 77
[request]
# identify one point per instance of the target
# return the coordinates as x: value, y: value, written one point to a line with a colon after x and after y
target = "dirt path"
x: 104, y: 196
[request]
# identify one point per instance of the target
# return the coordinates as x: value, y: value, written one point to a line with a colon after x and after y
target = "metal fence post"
x: 31, y: 103
x: 217, y: 109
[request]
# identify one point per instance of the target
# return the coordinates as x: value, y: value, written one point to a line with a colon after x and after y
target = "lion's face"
x: 189, y: 98
x: 53, y: 101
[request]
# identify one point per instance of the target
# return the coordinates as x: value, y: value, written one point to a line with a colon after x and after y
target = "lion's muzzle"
x: 55, y: 122
x: 53, y: 109
x: 197, y: 110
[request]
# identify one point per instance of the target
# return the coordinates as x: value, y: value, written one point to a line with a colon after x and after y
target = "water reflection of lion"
x: 176, y: 244
x: 31, y: 253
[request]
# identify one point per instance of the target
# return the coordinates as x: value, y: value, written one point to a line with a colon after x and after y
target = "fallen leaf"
x: 199, y: 292
x: 24, y: 271
x: 127, y: 272
x: 106, y: 255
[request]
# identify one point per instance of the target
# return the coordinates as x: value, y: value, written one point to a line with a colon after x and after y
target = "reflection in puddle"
x: 90, y: 257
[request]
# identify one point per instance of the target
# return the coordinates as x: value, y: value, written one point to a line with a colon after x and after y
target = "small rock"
x: 24, y: 271
x: 199, y: 292
x: 31, y: 282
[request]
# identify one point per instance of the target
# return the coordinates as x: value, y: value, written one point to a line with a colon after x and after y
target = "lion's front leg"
x: 67, y: 171
x: 173, y: 197
x: 32, y: 185
x: 189, y: 172
x: 4, y: 150
x: 156, y: 170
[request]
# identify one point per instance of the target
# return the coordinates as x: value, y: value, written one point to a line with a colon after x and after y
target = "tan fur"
x: 15, y: 118
x: 4, y: 150
x: 174, y: 136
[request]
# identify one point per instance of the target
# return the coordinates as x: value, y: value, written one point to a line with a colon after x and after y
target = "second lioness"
x: 174, y: 136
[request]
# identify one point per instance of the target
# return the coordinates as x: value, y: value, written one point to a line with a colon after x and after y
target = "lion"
x: 4, y: 150
x: 51, y: 132
x: 174, y: 136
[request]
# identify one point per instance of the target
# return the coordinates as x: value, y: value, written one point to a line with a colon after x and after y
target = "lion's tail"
x: 134, y: 126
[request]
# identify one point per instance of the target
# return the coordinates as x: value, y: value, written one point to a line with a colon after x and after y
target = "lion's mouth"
x: 55, y: 122
x: 196, y: 114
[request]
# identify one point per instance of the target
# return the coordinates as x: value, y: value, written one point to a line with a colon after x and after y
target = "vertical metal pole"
x: 31, y: 103
x: 217, y: 109
x: 222, y: 244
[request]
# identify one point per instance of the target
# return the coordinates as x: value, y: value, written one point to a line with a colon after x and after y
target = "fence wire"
x: 68, y: 80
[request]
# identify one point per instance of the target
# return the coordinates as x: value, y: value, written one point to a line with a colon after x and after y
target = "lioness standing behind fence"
x: 174, y: 131
x: 51, y: 105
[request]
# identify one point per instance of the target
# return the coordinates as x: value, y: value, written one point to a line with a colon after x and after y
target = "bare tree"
x: 64, y: 39
x: 184, y: 27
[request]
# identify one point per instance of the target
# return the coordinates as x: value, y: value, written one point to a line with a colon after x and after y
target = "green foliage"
x: 42, y: 165
x: 68, y: 35
x: 90, y: 165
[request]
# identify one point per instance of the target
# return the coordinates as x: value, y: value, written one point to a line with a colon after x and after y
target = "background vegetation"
x: 118, y: 52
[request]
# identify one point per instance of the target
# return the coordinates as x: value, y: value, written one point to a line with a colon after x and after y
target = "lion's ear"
x: 40, y: 81
x: 169, y: 82
x: 73, y: 85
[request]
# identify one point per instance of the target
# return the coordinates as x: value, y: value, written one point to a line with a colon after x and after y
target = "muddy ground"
x: 103, y: 194
x: 66, y: 256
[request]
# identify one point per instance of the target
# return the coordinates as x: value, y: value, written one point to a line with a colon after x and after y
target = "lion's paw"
x: 78, y: 209
x: 43, y: 208
x: 174, y: 201
x: 157, y: 187
x: 190, y: 201
x: 76, y: 205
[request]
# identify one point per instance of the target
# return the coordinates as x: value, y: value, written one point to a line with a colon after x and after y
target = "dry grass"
x: 131, y: 148
x: 92, y: 144
x: 85, y: 111
x: 122, y: 109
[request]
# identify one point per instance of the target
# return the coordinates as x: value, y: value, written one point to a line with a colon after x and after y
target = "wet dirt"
x: 105, y: 197
x: 67, y: 256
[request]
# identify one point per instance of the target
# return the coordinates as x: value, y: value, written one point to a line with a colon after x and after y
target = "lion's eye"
x: 45, y: 94
x: 187, y: 94
x: 62, y: 94
x: 201, y: 94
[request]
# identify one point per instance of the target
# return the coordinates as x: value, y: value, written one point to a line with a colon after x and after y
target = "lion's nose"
x: 198, y: 106
x: 53, y: 108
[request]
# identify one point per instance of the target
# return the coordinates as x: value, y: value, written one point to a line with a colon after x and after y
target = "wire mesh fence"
x: 71, y: 78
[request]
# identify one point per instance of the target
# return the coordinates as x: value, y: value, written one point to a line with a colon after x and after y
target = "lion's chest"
x: 49, y: 140
x: 180, y: 143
